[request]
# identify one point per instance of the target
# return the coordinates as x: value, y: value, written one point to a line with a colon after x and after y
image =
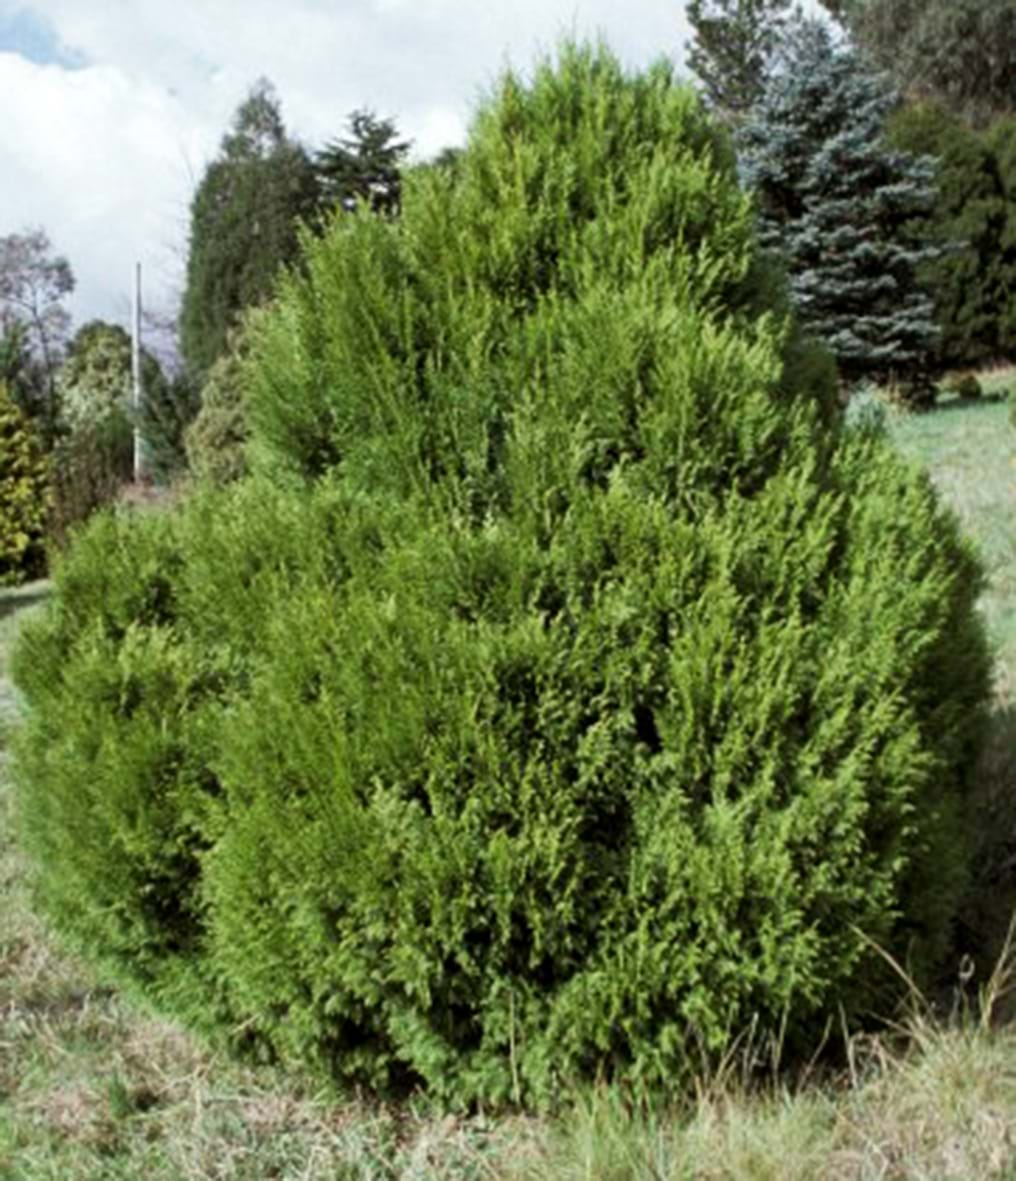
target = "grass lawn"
x: 93, y: 1087
x: 970, y: 450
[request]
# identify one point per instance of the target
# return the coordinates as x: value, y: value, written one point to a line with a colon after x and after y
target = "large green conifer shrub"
x: 566, y: 693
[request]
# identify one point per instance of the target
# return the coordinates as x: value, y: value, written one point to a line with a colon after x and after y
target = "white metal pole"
x: 136, y: 373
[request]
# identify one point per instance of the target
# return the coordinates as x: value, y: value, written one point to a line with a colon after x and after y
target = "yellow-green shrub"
x: 24, y: 495
x: 216, y: 441
x: 568, y: 693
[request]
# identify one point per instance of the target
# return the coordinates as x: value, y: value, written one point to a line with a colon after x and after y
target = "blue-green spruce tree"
x: 834, y: 199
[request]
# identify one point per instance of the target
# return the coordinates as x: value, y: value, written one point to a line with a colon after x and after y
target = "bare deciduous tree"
x: 33, y: 285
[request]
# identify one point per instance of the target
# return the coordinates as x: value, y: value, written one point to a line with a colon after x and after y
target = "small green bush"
x: 216, y: 441
x: 89, y: 467
x: 24, y: 495
x: 168, y: 409
x: 964, y: 385
x: 569, y: 691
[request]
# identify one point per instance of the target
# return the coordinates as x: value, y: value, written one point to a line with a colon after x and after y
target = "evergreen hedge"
x: 973, y: 281
x: 566, y: 692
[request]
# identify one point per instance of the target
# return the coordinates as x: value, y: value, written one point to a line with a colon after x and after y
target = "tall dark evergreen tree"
x: 973, y: 283
x: 834, y: 199
x: 244, y: 220
x: 15, y: 359
x: 733, y: 48
x: 365, y: 165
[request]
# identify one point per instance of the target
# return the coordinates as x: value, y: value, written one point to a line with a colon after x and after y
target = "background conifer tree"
x: 973, y: 281
x: 961, y: 53
x: 733, y: 48
x: 243, y: 224
x: 365, y: 165
x: 834, y: 199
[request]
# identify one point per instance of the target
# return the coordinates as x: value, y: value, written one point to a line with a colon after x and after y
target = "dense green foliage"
x: 835, y: 201
x: 87, y: 476
x: 733, y: 48
x: 24, y: 495
x: 93, y: 455
x: 17, y: 370
x: 94, y: 388
x: 95, y: 391
x: 960, y: 53
x: 168, y: 408
x: 243, y: 225
x: 216, y: 441
x: 568, y: 690
x: 973, y: 281
x: 364, y: 166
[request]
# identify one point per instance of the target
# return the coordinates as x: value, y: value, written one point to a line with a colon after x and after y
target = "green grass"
x: 93, y: 1087
x: 970, y: 449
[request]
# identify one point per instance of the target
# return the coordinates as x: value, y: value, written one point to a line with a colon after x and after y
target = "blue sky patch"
x: 34, y: 38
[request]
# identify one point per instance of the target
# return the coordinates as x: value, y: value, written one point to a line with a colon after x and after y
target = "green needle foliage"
x: 973, y: 220
x: 216, y: 440
x: 567, y: 692
x: 243, y: 223
x: 732, y: 52
x: 960, y: 54
x: 364, y: 166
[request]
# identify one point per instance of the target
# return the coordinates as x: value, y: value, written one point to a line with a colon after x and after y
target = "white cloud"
x: 97, y: 158
x: 105, y: 157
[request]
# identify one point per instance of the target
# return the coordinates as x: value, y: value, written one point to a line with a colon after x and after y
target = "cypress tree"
x: 834, y: 199
x: 243, y: 224
x: 593, y: 700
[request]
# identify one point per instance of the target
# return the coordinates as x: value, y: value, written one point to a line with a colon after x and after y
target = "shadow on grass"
x: 13, y: 599
x: 991, y: 903
x: 949, y: 404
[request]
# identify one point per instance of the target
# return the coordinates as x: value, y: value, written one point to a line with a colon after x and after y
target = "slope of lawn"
x: 970, y: 449
x: 92, y: 1087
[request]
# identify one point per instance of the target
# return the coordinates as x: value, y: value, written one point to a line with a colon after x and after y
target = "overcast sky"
x: 110, y: 109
